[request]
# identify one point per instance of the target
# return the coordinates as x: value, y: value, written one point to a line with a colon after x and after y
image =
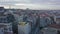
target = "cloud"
x: 37, y: 4
x: 14, y: 1
x: 48, y: 2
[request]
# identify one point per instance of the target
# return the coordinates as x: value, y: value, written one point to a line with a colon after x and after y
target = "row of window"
x: 3, y: 20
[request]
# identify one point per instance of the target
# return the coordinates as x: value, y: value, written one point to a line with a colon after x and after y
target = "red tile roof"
x: 55, y: 26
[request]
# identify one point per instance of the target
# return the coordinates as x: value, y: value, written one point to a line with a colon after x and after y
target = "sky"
x: 32, y: 4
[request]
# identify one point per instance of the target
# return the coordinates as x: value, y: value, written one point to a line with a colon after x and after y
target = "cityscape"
x: 19, y: 21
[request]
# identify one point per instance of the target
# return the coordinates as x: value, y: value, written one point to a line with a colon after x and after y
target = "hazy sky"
x: 33, y: 4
